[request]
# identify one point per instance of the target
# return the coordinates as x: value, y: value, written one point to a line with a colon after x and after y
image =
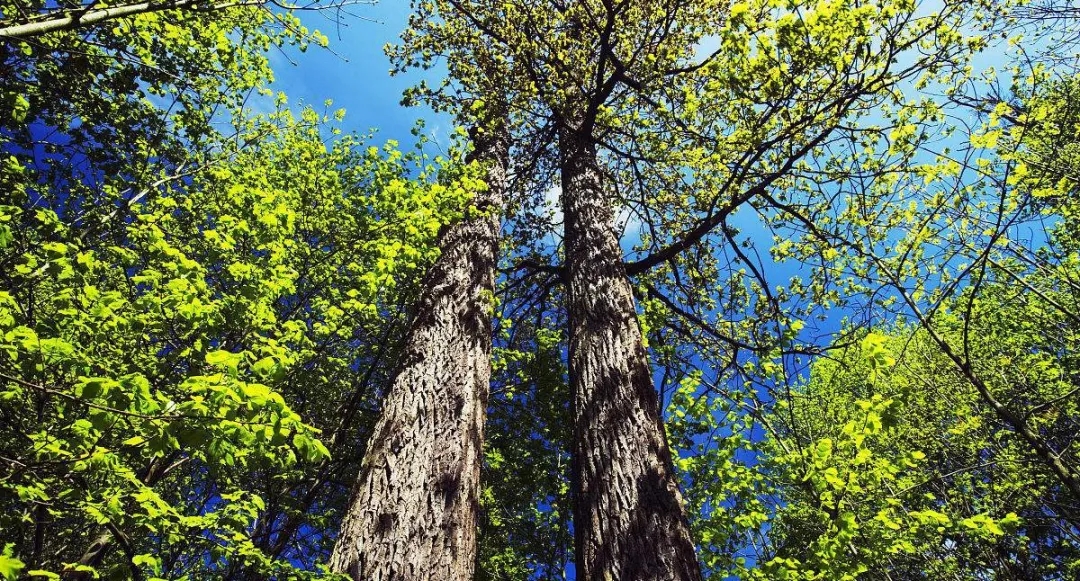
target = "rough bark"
x: 629, y: 522
x: 414, y: 508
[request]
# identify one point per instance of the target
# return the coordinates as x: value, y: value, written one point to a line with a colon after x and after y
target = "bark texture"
x: 629, y: 522
x: 414, y: 508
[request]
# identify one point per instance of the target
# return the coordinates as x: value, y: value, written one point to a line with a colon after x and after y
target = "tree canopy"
x: 797, y: 278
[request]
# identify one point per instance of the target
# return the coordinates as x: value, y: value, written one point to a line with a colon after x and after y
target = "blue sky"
x: 354, y: 72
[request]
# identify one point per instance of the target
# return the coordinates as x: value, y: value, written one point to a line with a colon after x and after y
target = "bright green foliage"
x: 9, y: 565
x: 861, y: 495
x: 145, y: 381
x: 940, y: 484
x: 877, y: 495
x: 877, y: 468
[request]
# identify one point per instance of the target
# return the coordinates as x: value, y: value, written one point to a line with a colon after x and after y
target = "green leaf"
x: 20, y: 108
x: 147, y: 560
x: 265, y: 367
x: 9, y: 565
x: 823, y: 451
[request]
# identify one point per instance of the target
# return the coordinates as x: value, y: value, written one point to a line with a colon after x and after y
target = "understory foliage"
x: 855, y: 248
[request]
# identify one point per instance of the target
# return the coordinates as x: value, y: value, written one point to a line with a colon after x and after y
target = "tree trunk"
x: 414, y: 508
x: 629, y: 523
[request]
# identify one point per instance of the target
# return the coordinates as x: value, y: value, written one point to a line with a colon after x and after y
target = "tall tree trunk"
x: 629, y: 523
x: 414, y: 508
